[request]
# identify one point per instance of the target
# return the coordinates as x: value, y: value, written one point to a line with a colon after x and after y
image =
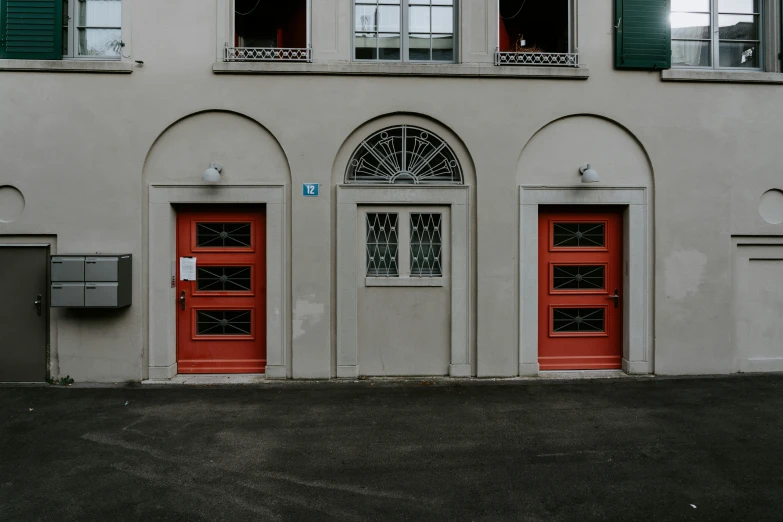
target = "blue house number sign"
x: 310, y: 189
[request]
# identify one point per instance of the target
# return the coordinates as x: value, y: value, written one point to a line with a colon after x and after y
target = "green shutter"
x: 31, y: 29
x: 643, y: 34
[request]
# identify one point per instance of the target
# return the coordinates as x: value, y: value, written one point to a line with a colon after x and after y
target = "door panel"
x: 580, y: 272
x: 23, y: 323
x: 221, y: 316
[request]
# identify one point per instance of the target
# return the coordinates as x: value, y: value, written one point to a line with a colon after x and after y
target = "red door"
x: 221, y: 316
x: 579, y: 275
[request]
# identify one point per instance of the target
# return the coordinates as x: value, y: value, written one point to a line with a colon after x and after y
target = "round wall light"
x: 212, y: 174
x: 589, y: 175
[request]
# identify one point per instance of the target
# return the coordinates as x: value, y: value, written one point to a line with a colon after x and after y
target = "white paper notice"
x: 187, y: 268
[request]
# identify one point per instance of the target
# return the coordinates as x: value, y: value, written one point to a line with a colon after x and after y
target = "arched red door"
x: 580, y: 289
x: 221, y: 315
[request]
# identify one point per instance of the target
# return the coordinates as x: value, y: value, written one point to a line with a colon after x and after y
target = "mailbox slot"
x: 67, y: 268
x: 100, y: 295
x: 100, y: 269
x: 67, y: 295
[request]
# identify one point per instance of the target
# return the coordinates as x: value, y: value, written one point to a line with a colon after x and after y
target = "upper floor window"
x: 266, y: 31
x: 536, y: 32
x: 404, y: 30
x: 92, y: 29
x: 716, y: 33
x: 56, y: 29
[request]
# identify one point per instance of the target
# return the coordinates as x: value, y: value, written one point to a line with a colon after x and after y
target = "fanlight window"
x: 404, y: 155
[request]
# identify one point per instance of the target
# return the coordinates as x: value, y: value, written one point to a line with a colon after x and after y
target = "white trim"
x: 637, y: 245
x: 162, y: 252
x: 349, y: 198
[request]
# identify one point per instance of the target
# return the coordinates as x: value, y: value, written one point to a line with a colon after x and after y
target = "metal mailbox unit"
x: 90, y: 281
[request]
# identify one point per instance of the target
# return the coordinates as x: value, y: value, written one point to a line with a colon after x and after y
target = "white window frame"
x: 404, y: 277
x: 573, y: 45
x: 715, y: 39
x: 69, y: 21
x: 404, y: 45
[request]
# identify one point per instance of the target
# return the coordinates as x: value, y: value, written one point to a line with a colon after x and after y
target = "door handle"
x: 38, y: 302
x: 182, y: 300
x: 616, y: 297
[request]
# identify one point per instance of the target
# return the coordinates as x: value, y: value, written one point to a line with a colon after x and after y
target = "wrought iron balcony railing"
x: 267, y: 54
x: 542, y: 59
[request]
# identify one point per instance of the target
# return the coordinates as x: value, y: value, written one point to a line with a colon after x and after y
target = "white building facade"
x: 343, y: 188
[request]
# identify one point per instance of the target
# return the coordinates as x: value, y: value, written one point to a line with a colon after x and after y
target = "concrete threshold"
x: 209, y: 380
x: 255, y: 379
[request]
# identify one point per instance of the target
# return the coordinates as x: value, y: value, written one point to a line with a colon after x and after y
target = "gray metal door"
x: 23, y: 313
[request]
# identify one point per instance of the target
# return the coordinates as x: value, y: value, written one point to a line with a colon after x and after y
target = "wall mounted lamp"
x: 212, y: 174
x: 589, y: 175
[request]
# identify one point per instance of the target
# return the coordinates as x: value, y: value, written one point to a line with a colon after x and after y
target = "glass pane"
x: 738, y: 6
x: 389, y: 19
x: 691, y: 54
x: 365, y: 47
x: 223, y: 278
x: 426, y: 245
x: 690, y: 25
x: 418, y: 2
x: 419, y: 47
x: 223, y: 322
x: 739, y: 54
x: 578, y: 320
x: 219, y: 235
x: 579, y: 235
x: 588, y: 277
x: 99, y: 13
x: 419, y: 20
x: 737, y: 27
x: 389, y: 47
x: 691, y: 5
x: 382, y: 245
x: 100, y: 42
x: 442, y: 20
x: 442, y: 2
x: 365, y: 19
x: 443, y: 48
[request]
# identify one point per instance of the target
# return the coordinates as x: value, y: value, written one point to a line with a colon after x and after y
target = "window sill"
x: 73, y: 66
x: 403, y: 69
x: 693, y: 75
x: 404, y: 281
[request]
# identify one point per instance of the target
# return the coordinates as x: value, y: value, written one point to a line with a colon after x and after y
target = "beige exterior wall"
x: 84, y: 148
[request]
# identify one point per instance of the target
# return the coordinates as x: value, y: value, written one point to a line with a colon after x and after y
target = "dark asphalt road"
x: 601, y: 450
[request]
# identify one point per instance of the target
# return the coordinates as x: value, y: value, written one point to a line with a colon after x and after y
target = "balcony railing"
x: 542, y: 59
x: 267, y: 54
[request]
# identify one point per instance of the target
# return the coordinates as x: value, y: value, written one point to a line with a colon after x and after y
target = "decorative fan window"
x: 404, y: 155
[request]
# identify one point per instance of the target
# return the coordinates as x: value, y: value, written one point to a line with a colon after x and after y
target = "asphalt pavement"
x: 624, y: 449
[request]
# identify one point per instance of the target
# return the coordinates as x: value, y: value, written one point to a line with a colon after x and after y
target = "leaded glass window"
x: 581, y: 235
x: 223, y: 235
x: 568, y: 320
x: 404, y: 155
x: 578, y: 277
x: 382, y: 244
x: 223, y: 322
x: 223, y: 278
x: 426, y: 245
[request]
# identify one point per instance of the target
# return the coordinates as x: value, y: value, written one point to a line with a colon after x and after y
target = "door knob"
x: 38, y: 302
x: 182, y: 300
x: 616, y: 297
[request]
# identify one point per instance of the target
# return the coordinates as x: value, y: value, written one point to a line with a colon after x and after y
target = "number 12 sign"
x: 310, y: 189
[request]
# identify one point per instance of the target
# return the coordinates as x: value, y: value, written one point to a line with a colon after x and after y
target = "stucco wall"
x: 76, y: 144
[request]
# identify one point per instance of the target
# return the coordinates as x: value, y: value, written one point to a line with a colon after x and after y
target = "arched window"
x: 404, y: 155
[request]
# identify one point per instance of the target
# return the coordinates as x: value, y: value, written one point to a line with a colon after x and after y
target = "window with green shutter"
x: 31, y: 29
x: 643, y: 34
